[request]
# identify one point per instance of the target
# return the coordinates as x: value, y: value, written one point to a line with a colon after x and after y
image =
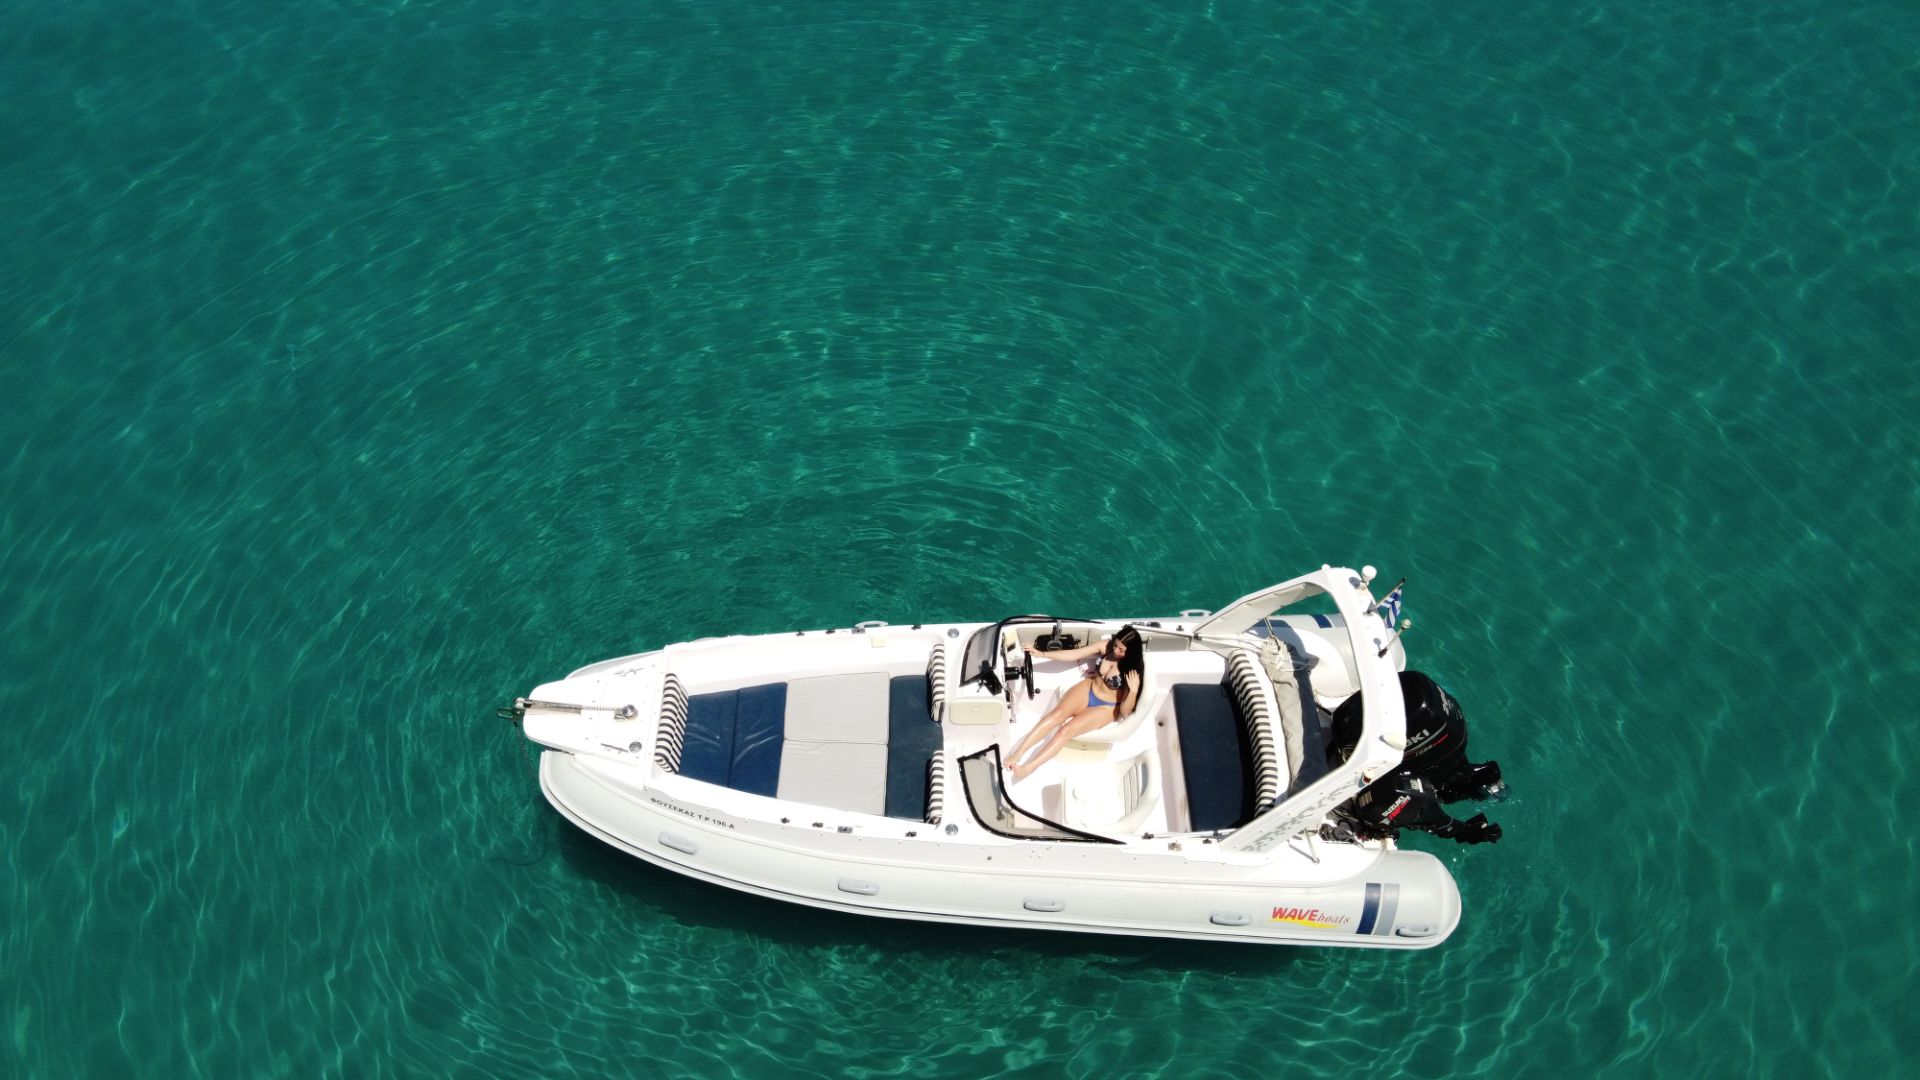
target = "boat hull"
x: 1391, y: 899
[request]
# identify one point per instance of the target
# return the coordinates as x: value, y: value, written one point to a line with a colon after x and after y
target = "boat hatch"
x: 988, y: 799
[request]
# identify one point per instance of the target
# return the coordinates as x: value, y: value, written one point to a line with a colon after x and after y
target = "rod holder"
x: 1405, y: 625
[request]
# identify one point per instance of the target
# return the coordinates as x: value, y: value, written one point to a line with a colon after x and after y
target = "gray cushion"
x: 838, y: 708
x: 839, y: 775
x: 1278, y: 659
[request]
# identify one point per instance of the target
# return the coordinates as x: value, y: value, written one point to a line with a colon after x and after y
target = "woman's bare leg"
x: 1075, y: 695
x: 1079, y: 725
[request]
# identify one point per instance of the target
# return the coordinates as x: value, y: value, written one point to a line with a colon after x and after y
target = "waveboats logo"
x: 1310, y: 917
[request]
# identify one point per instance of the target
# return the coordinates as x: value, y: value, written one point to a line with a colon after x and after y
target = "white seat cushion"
x: 838, y: 708
x: 838, y: 775
x: 988, y: 710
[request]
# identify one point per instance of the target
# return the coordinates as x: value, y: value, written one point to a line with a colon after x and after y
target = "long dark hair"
x: 1135, y: 661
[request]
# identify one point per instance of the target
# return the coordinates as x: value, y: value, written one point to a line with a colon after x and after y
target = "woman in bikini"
x: 1110, y: 691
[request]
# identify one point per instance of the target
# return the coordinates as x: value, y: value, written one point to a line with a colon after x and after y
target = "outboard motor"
x: 1434, y: 770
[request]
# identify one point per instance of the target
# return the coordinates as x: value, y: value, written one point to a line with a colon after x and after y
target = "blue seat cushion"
x: 1216, y: 757
x: 760, y: 727
x: 734, y: 737
x: 912, y: 738
x: 707, y: 753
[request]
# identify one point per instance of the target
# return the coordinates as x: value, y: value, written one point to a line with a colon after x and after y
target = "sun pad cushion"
x: 822, y: 740
x: 842, y: 776
x: 838, y: 708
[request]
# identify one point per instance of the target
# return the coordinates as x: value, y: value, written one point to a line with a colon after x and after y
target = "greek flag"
x: 1389, y: 608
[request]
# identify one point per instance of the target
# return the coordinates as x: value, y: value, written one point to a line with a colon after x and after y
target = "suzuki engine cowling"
x: 1434, y: 771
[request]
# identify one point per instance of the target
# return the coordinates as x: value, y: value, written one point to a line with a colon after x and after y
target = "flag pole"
x: 1371, y: 608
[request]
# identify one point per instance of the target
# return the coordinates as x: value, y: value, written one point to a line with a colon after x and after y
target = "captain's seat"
x: 1112, y: 797
x: 1117, y: 732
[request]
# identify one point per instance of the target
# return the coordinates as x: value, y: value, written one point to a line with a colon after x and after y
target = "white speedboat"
x: 1252, y: 796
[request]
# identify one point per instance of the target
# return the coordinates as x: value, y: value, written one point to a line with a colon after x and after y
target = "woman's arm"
x: 1131, y: 700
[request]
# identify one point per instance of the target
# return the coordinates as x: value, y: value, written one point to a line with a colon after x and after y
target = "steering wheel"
x: 1022, y: 671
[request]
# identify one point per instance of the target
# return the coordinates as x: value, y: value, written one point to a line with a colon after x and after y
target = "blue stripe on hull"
x: 1371, y: 911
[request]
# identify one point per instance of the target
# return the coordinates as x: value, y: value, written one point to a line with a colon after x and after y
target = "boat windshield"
x: 988, y: 799
x: 983, y: 646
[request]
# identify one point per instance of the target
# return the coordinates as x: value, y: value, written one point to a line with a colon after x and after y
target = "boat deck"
x: 1190, y: 759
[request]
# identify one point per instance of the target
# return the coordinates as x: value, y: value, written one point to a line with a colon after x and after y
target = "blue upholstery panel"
x: 912, y: 738
x: 759, y: 729
x: 708, y: 754
x: 1215, y: 756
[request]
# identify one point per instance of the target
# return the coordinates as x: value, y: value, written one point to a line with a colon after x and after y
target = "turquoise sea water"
x: 368, y: 363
